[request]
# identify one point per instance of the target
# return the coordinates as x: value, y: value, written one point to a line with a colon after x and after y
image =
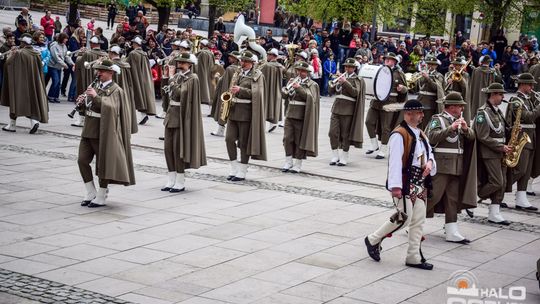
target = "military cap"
x: 485, y: 59
x: 350, y: 62
x: 247, y: 56
x: 185, y: 57
x: 453, y: 98
x: 302, y: 65
x: 106, y: 65
x: 527, y: 78
x: 235, y: 54
x: 432, y: 60
x: 391, y: 55
x: 494, y: 88
x: 459, y: 60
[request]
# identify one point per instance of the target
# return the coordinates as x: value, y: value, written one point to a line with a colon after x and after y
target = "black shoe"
x: 503, y: 205
x: 209, y: 115
x: 284, y: 170
x: 504, y: 223
x: 161, y: 138
x: 379, y: 157
x: 144, y: 120
x: 469, y: 213
x: 174, y: 190
x: 166, y: 189
x: 293, y: 171
x: 230, y: 177
x: 63, y: 94
x: 341, y: 164
x: 237, y: 179
x: 464, y: 242
x: 93, y: 205
x: 373, y: 250
x: 7, y: 130
x: 424, y: 266
x: 333, y: 163
x: 530, y: 208
x: 85, y: 203
x: 531, y: 193
x: 34, y: 128
x: 76, y: 125
x: 272, y: 129
x: 371, y: 151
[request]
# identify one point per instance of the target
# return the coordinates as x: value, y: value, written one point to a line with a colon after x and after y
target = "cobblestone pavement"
x: 276, y: 238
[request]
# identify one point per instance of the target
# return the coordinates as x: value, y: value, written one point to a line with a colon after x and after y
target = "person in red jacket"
x: 48, y: 25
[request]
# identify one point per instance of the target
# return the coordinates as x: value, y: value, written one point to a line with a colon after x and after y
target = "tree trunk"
x: 73, y: 7
x: 498, y: 12
x: 164, y: 13
x: 211, y: 19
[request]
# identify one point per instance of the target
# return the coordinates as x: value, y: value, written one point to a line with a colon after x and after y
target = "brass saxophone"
x: 227, y: 97
x: 517, y: 144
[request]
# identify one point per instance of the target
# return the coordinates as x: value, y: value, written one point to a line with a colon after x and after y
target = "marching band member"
x: 184, y: 139
x: 143, y: 90
x: 123, y: 79
x: 300, y: 137
x: 167, y: 66
x: 347, y: 120
x: 23, y: 86
x: 455, y: 185
x: 460, y: 86
x: 273, y: 79
x: 530, y: 111
x: 205, y: 60
x: 290, y: 73
x: 380, y: 122
x: 481, y: 77
x: 431, y: 89
x: 106, y: 134
x: 245, y: 125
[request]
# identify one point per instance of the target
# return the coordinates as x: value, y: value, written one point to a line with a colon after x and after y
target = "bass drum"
x: 378, y: 79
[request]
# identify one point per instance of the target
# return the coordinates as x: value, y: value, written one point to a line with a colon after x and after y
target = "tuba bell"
x: 242, y: 31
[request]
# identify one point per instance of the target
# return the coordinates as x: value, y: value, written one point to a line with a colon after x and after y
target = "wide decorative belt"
x: 92, y: 114
x: 448, y: 150
x: 175, y: 103
x: 528, y: 126
x: 427, y: 93
x: 240, y: 100
x: 341, y: 96
x: 297, y: 103
x: 500, y: 140
x: 416, y: 176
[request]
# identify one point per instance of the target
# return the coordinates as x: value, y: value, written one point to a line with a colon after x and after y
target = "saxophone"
x: 227, y: 97
x: 517, y: 144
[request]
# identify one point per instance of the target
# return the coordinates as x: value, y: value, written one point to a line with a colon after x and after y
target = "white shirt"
x: 396, y: 150
x: 104, y: 84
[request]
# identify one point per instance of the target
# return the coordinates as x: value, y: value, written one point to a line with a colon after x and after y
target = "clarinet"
x: 81, y: 97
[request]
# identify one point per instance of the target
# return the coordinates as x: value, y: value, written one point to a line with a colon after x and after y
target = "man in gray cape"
x: 84, y: 72
x: 184, y: 139
x: 273, y: 79
x: 123, y: 79
x: 301, y: 133
x: 245, y: 126
x: 24, y: 86
x: 107, y: 135
x: 143, y: 85
x: 481, y: 78
x: 205, y: 63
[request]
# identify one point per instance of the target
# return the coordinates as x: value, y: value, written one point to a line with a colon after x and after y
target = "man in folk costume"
x: 455, y: 185
x: 410, y: 167
x: 530, y: 111
x: 106, y: 134
x: 123, y: 79
x: 290, y: 74
x: 459, y: 86
x: 222, y: 86
x: 347, y: 120
x: 143, y: 85
x: 245, y: 125
x: 86, y: 75
x: 431, y: 89
x: 184, y: 139
x: 481, y: 77
x: 273, y: 79
x: 23, y: 86
x: 205, y: 59
x: 490, y: 127
x: 301, y: 133
x: 379, y: 123
x: 168, y: 66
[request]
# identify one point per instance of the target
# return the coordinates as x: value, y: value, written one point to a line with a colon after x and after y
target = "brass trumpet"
x: 536, y: 95
x: 5, y: 54
x: 334, y: 83
x: 289, y: 89
x: 89, y: 65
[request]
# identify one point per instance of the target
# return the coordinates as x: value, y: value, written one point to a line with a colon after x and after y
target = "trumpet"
x: 536, y: 95
x: 83, y: 97
x: 334, y: 83
x: 289, y: 89
x: 75, y: 53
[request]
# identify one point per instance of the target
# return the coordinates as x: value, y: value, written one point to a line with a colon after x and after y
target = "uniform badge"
x: 435, y: 123
x: 480, y: 118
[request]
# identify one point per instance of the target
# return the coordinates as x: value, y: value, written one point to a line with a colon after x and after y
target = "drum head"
x: 383, y: 83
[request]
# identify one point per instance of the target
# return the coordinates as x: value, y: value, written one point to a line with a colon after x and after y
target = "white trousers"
x: 416, y: 216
